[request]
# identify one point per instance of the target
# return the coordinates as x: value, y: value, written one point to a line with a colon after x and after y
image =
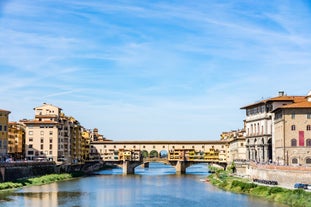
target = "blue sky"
x: 146, y: 70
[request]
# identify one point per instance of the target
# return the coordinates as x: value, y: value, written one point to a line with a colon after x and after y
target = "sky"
x: 152, y: 70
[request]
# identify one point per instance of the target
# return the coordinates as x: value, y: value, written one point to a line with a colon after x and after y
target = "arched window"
x: 294, y: 161
x: 308, y: 160
x: 293, y: 127
x: 293, y: 142
x: 308, y: 127
x: 252, y: 129
x: 308, y: 142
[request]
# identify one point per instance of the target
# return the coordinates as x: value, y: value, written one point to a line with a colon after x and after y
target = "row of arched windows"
x: 308, y: 127
x: 294, y: 142
x: 255, y: 129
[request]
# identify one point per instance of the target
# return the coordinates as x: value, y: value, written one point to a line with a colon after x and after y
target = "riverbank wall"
x: 286, y: 176
x: 14, y: 171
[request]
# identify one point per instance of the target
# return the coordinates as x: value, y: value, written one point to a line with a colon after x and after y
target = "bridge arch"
x: 144, y: 154
x: 163, y: 153
x: 154, y: 154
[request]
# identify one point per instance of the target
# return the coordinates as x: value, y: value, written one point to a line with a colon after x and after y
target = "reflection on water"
x: 154, y: 186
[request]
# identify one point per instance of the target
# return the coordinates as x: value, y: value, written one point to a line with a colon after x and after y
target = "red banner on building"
x: 301, y: 138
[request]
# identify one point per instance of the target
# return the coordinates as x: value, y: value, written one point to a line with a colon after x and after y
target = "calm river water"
x: 154, y: 186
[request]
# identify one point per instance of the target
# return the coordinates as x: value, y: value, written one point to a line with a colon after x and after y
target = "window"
x: 0, y: 127
x: 30, y: 146
x: 308, y: 116
x: 51, y: 132
x: 293, y: 127
x: 308, y: 160
x: 30, y: 132
x: 30, y: 152
x: 41, y: 140
x: 5, y: 128
x: 41, y: 132
x: 51, y: 146
x: 293, y: 115
x: 308, y: 142
x: 293, y: 142
x: 42, y: 146
x: 294, y: 161
x: 30, y: 139
x: 308, y: 127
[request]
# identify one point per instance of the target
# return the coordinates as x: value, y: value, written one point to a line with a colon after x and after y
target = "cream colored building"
x: 52, y: 135
x: 4, y: 122
x: 259, y: 126
x: 236, y: 142
x: 41, y: 134
x: 292, y: 133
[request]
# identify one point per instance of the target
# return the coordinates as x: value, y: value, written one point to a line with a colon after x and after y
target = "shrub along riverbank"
x: 38, y: 180
x: 295, y: 198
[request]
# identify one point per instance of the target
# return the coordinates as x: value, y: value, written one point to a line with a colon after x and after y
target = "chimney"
x: 281, y: 93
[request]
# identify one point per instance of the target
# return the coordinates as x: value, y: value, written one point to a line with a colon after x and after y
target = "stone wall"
x: 14, y: 171
x: 286, y: 176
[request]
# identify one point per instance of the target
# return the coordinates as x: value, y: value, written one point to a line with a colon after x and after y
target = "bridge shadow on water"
x: 156, y: 168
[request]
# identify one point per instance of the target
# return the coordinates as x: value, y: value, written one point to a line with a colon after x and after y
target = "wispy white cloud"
x: 152, y: 69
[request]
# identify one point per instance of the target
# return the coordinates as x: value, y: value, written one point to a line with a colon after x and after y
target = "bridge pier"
x: 145, y: 165
x: 180, y: 167
x: 129, y: 167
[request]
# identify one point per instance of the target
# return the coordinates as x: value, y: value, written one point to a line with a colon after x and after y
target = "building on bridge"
x: 171, y: 151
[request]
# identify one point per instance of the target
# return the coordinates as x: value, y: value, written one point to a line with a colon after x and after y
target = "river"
x: 154, y: 186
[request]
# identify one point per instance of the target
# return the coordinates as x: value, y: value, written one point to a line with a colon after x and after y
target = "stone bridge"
x: 179, y: 154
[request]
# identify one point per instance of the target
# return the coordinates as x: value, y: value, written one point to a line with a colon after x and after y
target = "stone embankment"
x: 18, y: 170
x: 286, y: 176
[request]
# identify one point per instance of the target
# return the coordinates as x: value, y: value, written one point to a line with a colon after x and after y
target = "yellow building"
x: 292, y: 133
x: 4, y: 122
x: 16, y: 140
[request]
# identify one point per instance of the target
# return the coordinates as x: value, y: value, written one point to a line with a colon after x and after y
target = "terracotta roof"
x: 39, y: 122
x: 2, y: 110
x: 276, y: 99
x: 303, y: 104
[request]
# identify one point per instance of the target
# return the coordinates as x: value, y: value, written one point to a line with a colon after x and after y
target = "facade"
x: 4, y: 122
x: 259, y: 126
x: 41, y: 139
x: 215, y: 151
x: 53, y: 136
x: 292, y: 133
x: 16, y: 140
x: 236, y: 140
